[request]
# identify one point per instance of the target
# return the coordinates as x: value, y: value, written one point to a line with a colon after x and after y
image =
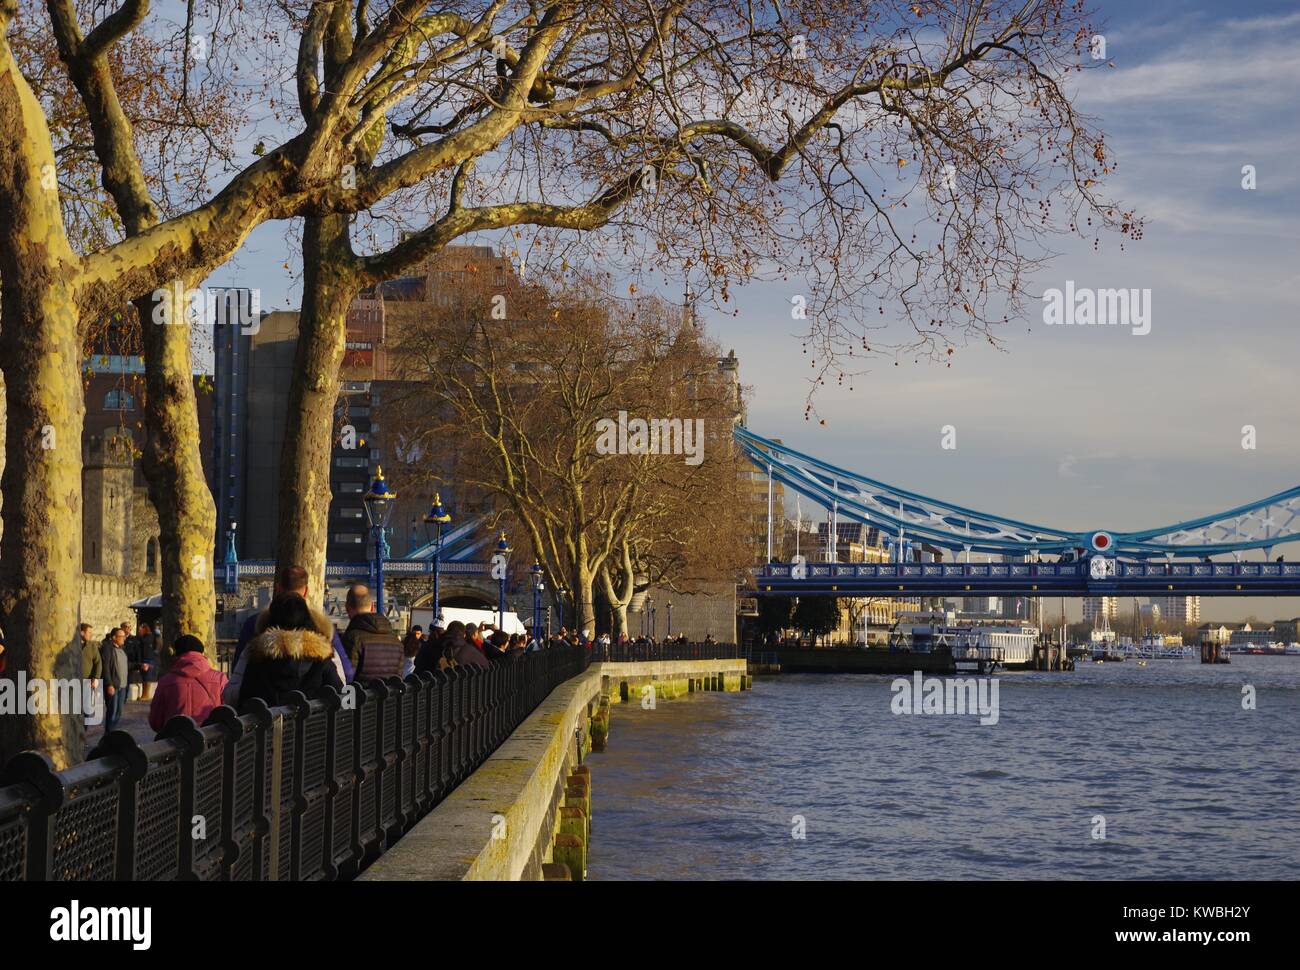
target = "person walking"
x: 149, y: 654
x: 411, y: 645
x: 92, y: 661
x: 92, y: 672
x: 191, y: 687
x: 134, y: 680
x: 457, y: 648
x: 116, y: 677
x: 291, y: 654
x: 431, y: 657
x: 495, y: 648
x: 291, y: 579
x: 369, y: 640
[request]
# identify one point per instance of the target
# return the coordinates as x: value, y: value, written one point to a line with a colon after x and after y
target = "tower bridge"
x: 1166, y: 560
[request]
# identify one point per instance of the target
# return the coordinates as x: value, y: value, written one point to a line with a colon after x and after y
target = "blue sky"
x: 1091, y: 427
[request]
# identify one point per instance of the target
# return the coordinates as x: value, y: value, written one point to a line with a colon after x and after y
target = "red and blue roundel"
x: 1102, y: 542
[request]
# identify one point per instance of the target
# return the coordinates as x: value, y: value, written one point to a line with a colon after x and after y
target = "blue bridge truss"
x: 1095, y: 563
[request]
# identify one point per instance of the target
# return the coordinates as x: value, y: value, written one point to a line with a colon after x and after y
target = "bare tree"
x: 600, y: 426
x: 909, y: 154
x: 721, y: 140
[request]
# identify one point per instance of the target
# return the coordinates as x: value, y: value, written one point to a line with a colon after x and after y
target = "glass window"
x: 119, y: 400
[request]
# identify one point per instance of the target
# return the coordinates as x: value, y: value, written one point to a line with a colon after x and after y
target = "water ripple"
x: 1187, y: 784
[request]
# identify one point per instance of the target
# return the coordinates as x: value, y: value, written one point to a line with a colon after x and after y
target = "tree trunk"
x: 584, y: 600
x: 173, y: 468
x: 618, y: 601
x: 40, y: 353
x: 328, y: 288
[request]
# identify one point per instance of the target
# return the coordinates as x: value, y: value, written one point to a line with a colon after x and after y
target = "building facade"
x: 1097, y: 607
x: 1178, y: 609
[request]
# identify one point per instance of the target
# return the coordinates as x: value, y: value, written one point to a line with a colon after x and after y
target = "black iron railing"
x: 316, y: 789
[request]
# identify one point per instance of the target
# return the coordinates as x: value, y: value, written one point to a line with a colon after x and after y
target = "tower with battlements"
x: 108, y: 499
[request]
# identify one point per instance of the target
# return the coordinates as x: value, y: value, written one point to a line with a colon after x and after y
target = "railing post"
x: 331, y: 701
x: 183, y: 729
x: 425, y: 740
x: 460, y: 685
x: 120, y: 744
x: 365, y: 797
x: 36, y: 772
x: 301, y: 707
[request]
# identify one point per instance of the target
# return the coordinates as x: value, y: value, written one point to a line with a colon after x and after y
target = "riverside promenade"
x: 482, y: 767
x: 526, y: 813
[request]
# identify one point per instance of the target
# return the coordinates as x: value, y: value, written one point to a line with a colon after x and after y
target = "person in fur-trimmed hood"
x: 290, y: 654
x: 290, y: 579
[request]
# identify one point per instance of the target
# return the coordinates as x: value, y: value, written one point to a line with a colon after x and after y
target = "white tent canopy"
x: 423, y: 616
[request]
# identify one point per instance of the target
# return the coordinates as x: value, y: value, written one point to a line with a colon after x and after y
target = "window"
x: 352, y: 488
x: 347, y: 538
x: 351, y: 461
x: 119, y: 400
x: 351, y: 512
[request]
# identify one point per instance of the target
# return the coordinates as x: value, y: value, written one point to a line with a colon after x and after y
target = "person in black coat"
x: 290, y: 654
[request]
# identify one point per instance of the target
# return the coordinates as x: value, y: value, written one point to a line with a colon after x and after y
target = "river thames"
x: 1185, y: 783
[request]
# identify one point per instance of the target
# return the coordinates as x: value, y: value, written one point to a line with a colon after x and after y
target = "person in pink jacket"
x: 191, y: 687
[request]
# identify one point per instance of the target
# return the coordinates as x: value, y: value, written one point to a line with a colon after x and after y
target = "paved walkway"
x: 135, y: 718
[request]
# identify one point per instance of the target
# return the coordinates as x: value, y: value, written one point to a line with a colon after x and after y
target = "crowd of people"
x: 291, y: 646
x: 125, y: 665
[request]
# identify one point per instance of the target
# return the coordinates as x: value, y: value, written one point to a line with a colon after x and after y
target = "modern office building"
x: 231, y: 362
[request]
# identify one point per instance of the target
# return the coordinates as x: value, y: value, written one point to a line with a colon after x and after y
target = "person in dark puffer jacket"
x: 289, y: 655
x: 372, y: 646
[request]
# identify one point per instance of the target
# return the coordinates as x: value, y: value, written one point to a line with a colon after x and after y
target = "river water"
x: 1190, y: 785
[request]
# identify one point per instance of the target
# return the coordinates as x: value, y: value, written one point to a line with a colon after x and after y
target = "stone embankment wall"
x: 526, y: 813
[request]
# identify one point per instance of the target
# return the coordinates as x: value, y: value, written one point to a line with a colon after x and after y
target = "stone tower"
x: 107, y: 486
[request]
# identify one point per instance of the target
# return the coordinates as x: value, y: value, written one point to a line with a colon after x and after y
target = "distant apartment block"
x: 1179, y: 609
x: 1097, y: 607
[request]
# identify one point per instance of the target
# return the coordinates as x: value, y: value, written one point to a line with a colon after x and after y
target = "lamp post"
x: 562, y: 592
x: 650, y: 616
x: 499, y: 567
x: 670, y: 620
x: 379, y: 508
x: 539, y: 586
x: 232, y: 561
x: 433, y: 523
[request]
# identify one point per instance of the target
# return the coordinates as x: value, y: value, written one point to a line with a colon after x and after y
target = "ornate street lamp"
x: 232, y: 561
x: 539, y: 586
x: 433, y: 523
x: 562, y: 592
x: 499, y: 565
x: 670, y: 619
x: 379, y: 503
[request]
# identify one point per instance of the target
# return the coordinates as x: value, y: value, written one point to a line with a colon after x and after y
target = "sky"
x: 1089, y: 427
